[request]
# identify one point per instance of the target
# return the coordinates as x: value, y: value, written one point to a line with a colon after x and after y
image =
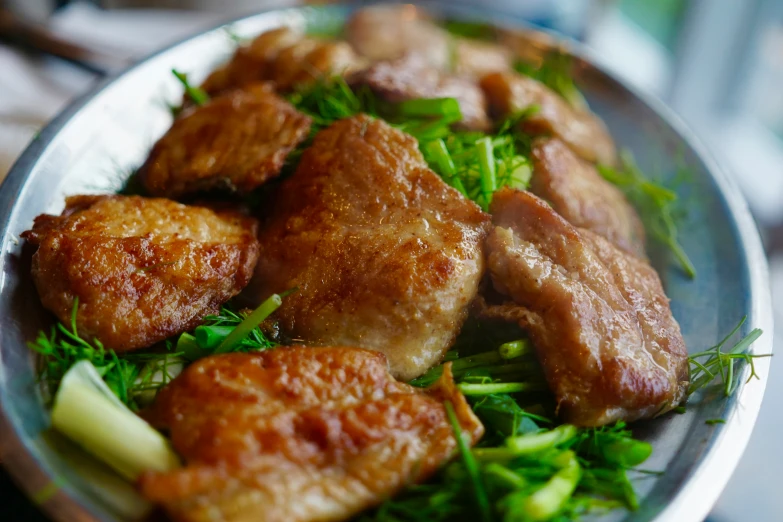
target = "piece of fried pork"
x: 411, y: 78
x: 298, y: 434
x: 236, y: 142
x: 577, y: 192
x: 390, y: 32
x: 599, y: 318
x: 385, y: 255
x: 141, y: 269
x: 510, y: 93
x: 288, y: 58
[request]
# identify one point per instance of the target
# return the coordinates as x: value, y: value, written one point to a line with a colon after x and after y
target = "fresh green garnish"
x: 654, y: 202
x: 554, y: 71
x: 129, y: 376
x: 198, y: 95
x: 710, y: 364
x: 474, y: 30
x: 135, y: 378
x: 90, y: 414
x: 713, y: 422
x: 474, y: 163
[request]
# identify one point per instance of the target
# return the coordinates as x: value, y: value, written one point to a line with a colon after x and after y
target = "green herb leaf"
x: 196, y: 94
x: 654, y: 203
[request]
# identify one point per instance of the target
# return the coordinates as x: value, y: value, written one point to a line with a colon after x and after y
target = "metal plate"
x: 94, y: 143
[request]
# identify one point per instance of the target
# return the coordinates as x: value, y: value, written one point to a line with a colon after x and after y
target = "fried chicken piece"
x: 385, y: 254
x: 390, y: 32
x: 236, y: 141
x: 599, y: 318
x: 577, y: 192
x: 509, y: 93
x: 411, y: 78
x: 288, y: 58
x: 298, y: 434
x: 141, y: 269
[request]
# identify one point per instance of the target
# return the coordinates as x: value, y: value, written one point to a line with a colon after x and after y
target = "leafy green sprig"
x: 554, y: 71
x: 129, y: 376
x: 135, y: 378
x: 475, y: 163
x: 655, y: 203
x: 714, y: 363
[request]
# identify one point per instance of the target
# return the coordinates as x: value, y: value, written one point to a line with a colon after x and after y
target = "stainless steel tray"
x: 94, y: 144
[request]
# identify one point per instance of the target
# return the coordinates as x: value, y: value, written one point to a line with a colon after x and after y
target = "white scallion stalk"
x: 86, y: 411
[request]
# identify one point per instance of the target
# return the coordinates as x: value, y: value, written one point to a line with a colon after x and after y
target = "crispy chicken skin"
x: 390, y: 32
x: 385, y: 255
x: 142, y: 269
x: 410, y: 78
x: 509, y: 92
x: 236, y: 141
x: 602, y: 326
x: 285, y: 56
x: 577, y: 192
x: 298, y: 434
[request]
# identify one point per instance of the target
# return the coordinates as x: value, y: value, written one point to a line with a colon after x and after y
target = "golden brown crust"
x: 385, y: 255
x: 298, y: 434
x: 236, y: 141
x: 599, y: 318
x: 509, y: 93
x: 286, y: 57
x: 411, y: 78
x: 142, y: 269
x: 390, y: 32
x: 577, y: 192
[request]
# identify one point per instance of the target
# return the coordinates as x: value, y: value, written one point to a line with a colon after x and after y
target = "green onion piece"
x: 244, y: 328
x: 445, y: 164
x: 197, y: 94
x: 447, y: 108
x: 479, y: 359
x: 487, y: 169
x: 536, y: 442
x: 471, y: 465
x: 209, y: 337
x: 514, y: 349
x: 87, y: 412
x: 189, y: 348
x: 500, y: 387
x: 504, y: 476
x: 626, y: 452
x: 549, y: 500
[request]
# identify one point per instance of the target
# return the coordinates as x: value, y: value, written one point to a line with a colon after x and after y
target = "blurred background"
x: 718, y: 63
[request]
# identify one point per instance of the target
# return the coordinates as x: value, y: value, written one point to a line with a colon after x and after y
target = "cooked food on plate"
x: 576, y: 191
x: 285, y: 56
x: 605, y: 336
x: 385, y: 255
x: 236, y: 142
x: 452, y: 313
x: 411, y: 78
x: 139, y: 270
x: 548, y: 113
x: 299, y: 434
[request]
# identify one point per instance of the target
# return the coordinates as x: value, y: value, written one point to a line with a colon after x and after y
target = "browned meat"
x: 602, y: 326
x: 476, y: 58
x: 236, y: 141
x: 390, y: 32
x: 386, y: 256
x: 509, y: 93
x: 410, y: 78
x: 286, y: 57
x: 142, y: 269
x: 298, y: 434
x: 577, y: 192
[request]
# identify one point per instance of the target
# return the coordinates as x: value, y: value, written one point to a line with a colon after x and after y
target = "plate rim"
x: 735, y: 433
